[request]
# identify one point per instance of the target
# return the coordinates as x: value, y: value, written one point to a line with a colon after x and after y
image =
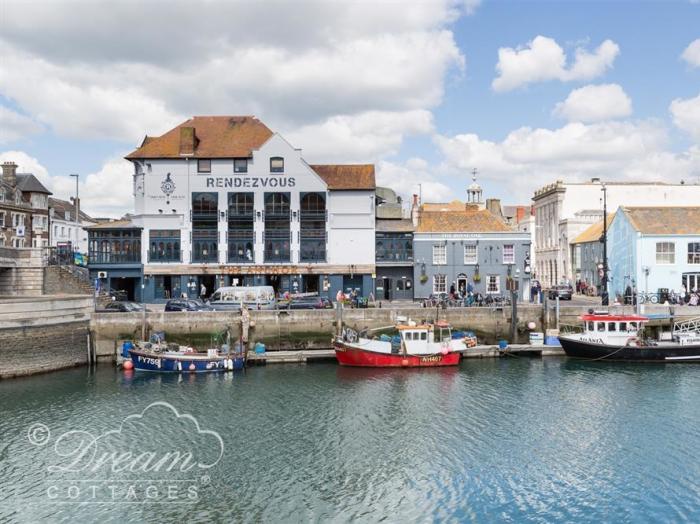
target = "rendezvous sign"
x: 251, y: 182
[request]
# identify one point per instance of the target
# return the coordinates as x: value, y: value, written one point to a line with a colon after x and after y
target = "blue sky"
x: 408, y: 86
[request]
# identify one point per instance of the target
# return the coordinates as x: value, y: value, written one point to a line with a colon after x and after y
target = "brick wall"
x: 24, y: 351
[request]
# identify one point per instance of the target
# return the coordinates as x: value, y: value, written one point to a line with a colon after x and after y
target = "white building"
x: 65, y: 228
x: 563, y: 210
x: 224, y: 200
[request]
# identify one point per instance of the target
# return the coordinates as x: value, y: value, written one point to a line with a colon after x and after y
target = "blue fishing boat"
x: 158, y: 356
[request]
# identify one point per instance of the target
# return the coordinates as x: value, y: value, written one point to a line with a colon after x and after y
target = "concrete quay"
x: 328, y: 355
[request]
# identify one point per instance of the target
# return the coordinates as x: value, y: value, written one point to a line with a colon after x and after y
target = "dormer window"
x: 18, y: 198
x: 276, y: 164
x: 240, y: 165
x: 203, y: 165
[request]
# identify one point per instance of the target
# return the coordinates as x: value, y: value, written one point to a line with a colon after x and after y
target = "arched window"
x: 313, y: 203
x: 276, y: 203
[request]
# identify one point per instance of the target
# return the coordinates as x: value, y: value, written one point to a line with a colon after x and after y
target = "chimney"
x: 415, y: 211
x: 9, y: 173
x: 188, y: 141
x: 494, y: 205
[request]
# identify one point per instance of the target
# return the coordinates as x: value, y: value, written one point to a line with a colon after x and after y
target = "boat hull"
x: 350, y: 356
x: 184, y: 363
x: 660, y: 353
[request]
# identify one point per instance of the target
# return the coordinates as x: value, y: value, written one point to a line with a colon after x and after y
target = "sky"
x: 526, y: 92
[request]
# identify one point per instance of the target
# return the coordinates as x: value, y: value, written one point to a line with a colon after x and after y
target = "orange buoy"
x: 404, y: 362
x: 128, y: 365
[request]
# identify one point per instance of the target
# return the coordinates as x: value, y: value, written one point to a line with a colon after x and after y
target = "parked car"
x: 122, y: 306
x: 563, y: 291
x: 313, y: 302
x: 187, y: 304
x: 254, y: 297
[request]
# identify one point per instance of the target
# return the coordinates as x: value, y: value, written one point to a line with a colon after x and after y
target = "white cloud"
x: 692, y: 53
x: 85, y: 80
x: 528, y: 158
x: 593, y: 103
x: 14, y: 126
x: 543, y: 59
x: 364, y: 137
x: 106, y: 192
x: 686, y: 115
x: 27, y: 164
x: 404, y: 178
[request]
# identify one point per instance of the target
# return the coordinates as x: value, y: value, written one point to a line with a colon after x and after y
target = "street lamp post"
x: 604, y: 277
x: 77, y: 209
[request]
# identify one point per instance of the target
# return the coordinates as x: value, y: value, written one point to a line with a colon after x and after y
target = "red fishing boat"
x: 416, y: 345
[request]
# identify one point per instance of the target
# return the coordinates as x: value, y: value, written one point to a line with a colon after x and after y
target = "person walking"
x: 202, y: 291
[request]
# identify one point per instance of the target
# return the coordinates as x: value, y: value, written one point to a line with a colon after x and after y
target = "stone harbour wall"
x: 298, y: 329
x: 42, y: 334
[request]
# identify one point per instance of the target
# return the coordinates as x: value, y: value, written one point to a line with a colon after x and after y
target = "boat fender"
x: 633, y: 341
x: 192, y: 366
x: 179, y: 365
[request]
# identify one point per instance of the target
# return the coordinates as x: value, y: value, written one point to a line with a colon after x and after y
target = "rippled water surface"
x: 493, y: 440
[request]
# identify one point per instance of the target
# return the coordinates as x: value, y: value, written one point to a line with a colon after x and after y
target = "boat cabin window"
x: 601, y: 326
x: 590, y: 325
x: 623, y: 326
x: 633, y: 326
x: 612, y: 326
x: 423, y: 335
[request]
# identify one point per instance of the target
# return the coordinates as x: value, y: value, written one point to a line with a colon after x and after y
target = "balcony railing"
x: 400, y: 255
x: 102, y: 257
x: 165, y: 256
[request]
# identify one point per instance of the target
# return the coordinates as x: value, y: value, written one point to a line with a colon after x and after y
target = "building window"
x: 508, y: 254
x: 240, y: 165
x: 665, y: 253
x: 204, y: 227
x: 164, y: 245
x: 276, y: 164
x: 2, y: 219
x: 203, y: 166
x: 277, y: 227
x: 471, y: 255
x: 439, y: 254
x: 241, y: 227
x: 2, y: 196
x: 439, y: 284
x: 394, y: 247
x: 693, y: 252
x: 493, y: 284
x: 312, y: 227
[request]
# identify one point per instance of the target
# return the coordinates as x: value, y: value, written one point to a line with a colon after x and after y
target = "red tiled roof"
x: 346, y: 176
x: 214, y: 137
x: 470, y: 220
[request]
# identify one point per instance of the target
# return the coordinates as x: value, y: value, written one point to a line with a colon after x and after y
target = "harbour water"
x: 515, y: 440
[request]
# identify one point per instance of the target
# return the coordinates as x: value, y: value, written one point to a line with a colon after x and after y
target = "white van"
x: 254, y: 297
